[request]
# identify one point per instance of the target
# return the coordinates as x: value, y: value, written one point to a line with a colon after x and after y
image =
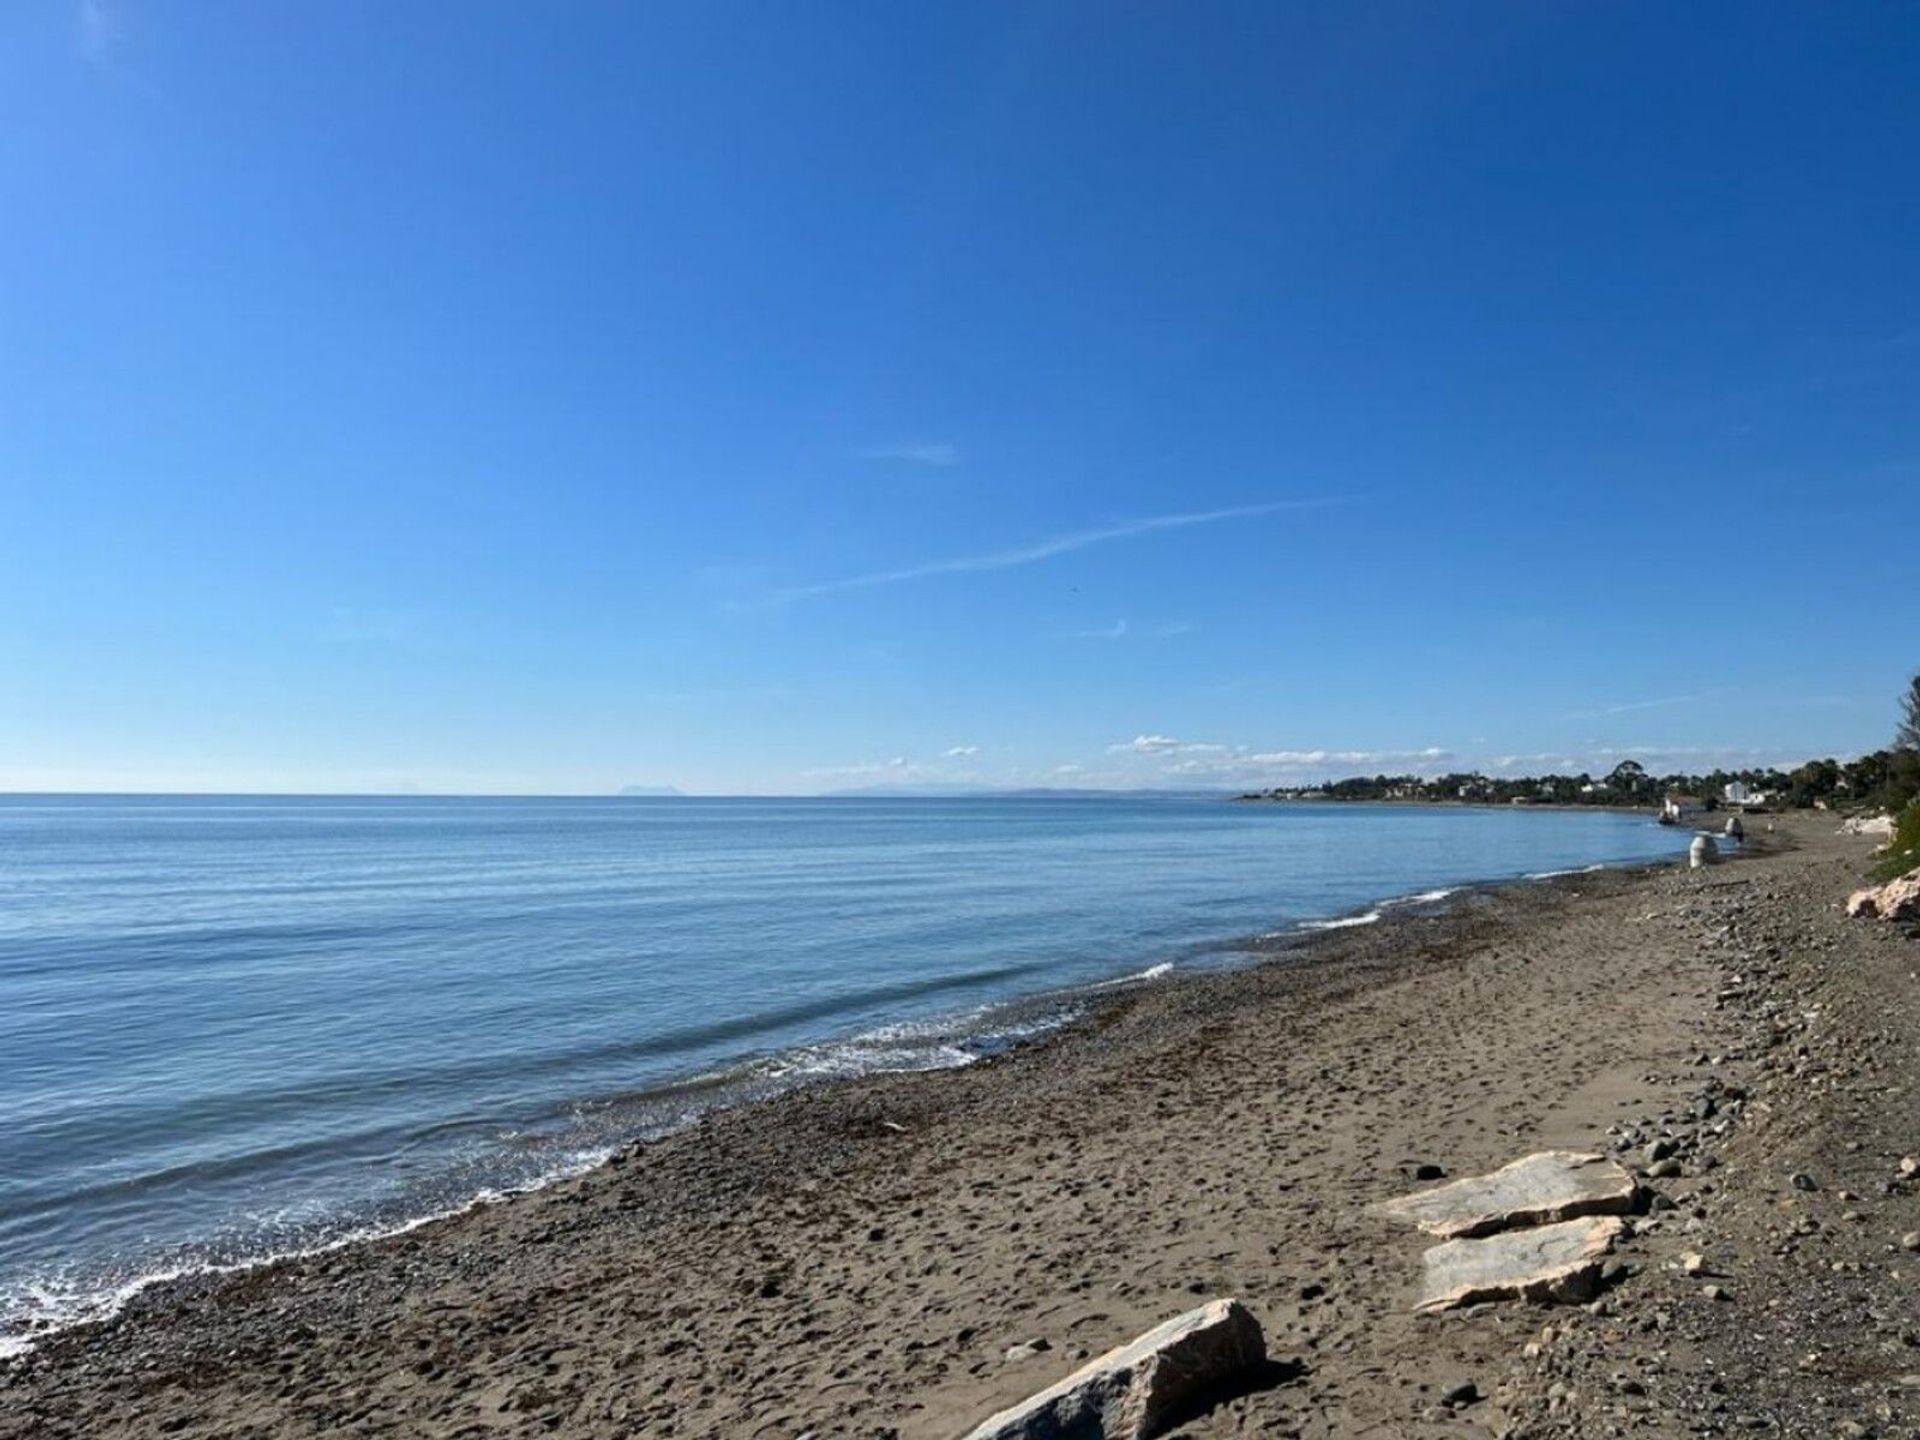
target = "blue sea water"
x: 232, y: 1027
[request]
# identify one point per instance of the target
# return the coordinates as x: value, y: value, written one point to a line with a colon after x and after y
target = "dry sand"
x: 858, y: 1259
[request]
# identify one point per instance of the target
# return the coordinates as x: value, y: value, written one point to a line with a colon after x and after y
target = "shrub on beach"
x: 1903, y: 850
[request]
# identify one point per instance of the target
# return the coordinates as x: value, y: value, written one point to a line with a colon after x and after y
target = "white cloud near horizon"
x: 1047, y: 549
x: 1145, y: 745
x: 962, y: 752
x: 1206, y: 755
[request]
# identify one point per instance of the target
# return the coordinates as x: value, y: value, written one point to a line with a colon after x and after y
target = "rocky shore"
x: 903, y: 1256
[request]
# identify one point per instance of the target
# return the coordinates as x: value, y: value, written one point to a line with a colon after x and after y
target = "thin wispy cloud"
x: 100, y: 30
x: 1115, y: 631
x: 1047, y: 549
x: 1123, y: 630
x: 962, y: 752
x: 1631, y: 706
x: 935, y: 455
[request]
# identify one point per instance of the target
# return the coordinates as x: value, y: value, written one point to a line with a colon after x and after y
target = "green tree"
x: 1907, y: 736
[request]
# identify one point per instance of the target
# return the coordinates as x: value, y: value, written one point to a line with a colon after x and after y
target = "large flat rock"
x: 1135, y: 1391
x: 1538, y: 1189
x: 1553, y: 1263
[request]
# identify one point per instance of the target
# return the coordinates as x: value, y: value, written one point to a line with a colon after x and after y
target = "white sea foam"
x: 61, y: 1307
x: 1345, y: 922
x: 1555, y: 874
x: 1152, y: 972
x: 1425, y: 897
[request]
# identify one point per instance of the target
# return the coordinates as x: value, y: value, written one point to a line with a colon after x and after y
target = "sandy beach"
x: 899, y: 1256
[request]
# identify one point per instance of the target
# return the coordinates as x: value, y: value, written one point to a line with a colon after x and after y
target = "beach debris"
x: 1552, y: 1263
x: 1703, y: 851
x: 1537, y: 1189
x: 1137, y: 1390
x: 1735, y: 829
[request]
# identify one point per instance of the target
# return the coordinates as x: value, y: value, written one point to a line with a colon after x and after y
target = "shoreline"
x: 1033, y: 1020
x: 867, y: 1256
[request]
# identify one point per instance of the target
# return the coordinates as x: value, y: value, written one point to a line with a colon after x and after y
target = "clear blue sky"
x: 778, y: 397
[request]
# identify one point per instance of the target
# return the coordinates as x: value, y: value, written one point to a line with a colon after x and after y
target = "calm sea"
x: 234, y: 1027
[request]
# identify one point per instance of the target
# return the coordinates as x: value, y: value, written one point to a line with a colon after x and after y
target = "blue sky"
x: 781, y: 397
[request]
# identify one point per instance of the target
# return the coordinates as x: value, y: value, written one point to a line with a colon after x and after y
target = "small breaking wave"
x: 1345, y: 922
x: 50, y: 1303
x: 1143, y: 977
x: 45, y: 1307
x: 1556, y: 874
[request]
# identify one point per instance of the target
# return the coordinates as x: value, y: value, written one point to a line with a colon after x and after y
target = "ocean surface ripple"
x: 238, y: 1027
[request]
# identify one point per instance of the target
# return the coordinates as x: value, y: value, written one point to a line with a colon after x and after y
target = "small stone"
x: 1693, y: 1264
x: 1465, y: 1393
x: 1802, y: 1181
x: 1716, y: 1292
x: 1910, y: 1240
x: 1429, y: 1171
x: 1910, y: 1166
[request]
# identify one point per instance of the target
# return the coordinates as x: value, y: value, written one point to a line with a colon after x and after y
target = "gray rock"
x: 1553, y: 1263
x: 1135, y: 1391
x: 1549, y: 1186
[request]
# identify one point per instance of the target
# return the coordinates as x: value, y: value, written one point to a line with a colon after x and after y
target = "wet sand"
x: 857, y: 1259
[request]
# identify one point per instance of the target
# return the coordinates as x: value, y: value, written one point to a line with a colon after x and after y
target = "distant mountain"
x: 1031, y: 792
x: 639, y: 791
